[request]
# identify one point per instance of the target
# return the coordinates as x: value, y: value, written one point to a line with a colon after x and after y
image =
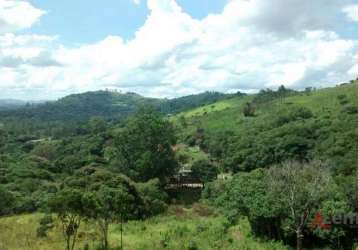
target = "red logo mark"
x: 319, y: 222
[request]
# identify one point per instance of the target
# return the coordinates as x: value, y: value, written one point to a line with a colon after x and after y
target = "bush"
x: 164, y: 240
x: 154, y: 197
x: 293, y: 114
x: 46, y: 220
x: 41, y: 231
x: 86, y: 246
x: 201, y: 228
x: 46, y: 223
x: 204, y: 170
x: 180, y: 231
x: 25, y: 204
x: 7, y: 202
x: 351, y: 110
x: 203, y: 210
x: 192, y: 245
x: 249, y: 110
x: 342, y: 99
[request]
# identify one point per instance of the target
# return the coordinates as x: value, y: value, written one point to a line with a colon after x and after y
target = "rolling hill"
x: 315, y: 124
x: 110, y: 105
x: 212, y: 128
x: 11, y: 103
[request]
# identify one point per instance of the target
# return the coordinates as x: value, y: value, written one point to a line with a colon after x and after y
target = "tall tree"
x: 109, y: 205
x: 107, y: 198
x: 70, y: 208
x: 300, y: 188
x: 145, y: 147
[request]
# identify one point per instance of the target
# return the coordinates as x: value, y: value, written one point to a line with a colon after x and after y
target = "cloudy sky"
x: 168, y: 48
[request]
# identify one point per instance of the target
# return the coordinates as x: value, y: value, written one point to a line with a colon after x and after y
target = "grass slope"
x: 181, y: 228
x: 227, y: 115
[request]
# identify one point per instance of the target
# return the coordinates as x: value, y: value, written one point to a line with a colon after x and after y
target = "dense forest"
x: 48, y: 117
x: 94, y: 171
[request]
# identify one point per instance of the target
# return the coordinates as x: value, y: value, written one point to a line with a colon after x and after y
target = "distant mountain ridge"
x: 16, y: 103
x: 11, y: 103
x: 107, y: 104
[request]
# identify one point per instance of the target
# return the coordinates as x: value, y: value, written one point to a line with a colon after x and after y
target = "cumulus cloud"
x: 352, y: 12
x: 249, y: 46
x: 288, y: 17
x: 17, y: 15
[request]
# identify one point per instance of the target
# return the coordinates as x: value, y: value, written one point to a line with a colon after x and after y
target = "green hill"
x: 301, y: 125
x: 107, y: 104
x: 81, y: 107
x: 11, y: 104
x: 216, y: 134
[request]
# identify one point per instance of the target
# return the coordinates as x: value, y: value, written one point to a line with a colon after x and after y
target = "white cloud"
x: 249, y: 46
x: 136, y: 2
x: 17, y: 15
x: 352, y: 12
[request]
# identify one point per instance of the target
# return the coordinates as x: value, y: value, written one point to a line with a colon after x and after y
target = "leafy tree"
x: 247, y: 194
x: 306, y: 187
x: 280, y: 201
x: 204, y: 170
x: 308, y: 90
x: 97, y: 125
x: 3, y: 136
x: 267, y: 95
x: 7, y: 202
x: 183, y: 121
x: 47, y: 150
x: 293, y: 114
x: 153, y: 196
x: 109, y: 205
x: 108, y: 198
x: 282, y: 92
x: 249, y: 110
x: 145, y: 147
x: 70, y: 206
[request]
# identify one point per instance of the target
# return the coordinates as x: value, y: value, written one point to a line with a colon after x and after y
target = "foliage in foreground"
x: 281, y: 202
x: 179, y: 229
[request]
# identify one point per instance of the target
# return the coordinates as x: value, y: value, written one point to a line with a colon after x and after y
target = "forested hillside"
x: 313, y: 124
x: 11, y: 104
x: 102, y: 176
x: 293, y: 156
x: 46, y: 118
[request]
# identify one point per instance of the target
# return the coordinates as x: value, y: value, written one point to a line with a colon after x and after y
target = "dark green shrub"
x: 41, y: 231
x: 293, y: 114
x: 249, y: 110
x: 46, y: 220
x: 164, y: 240
x: 192, y: 245
x: 342, y: 99
x: 180, y: 231
x: 201, y: 228
x: 46, y: 223
x: 7, y: 202
x: 351, y: 110
x: 203, y: 210
x: 204, y: 171
x: 86, y: 247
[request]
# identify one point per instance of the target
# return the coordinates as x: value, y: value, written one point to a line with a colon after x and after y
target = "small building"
x: 185, y: 179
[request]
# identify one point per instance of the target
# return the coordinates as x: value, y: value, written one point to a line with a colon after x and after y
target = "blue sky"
x: 170, y: 48
x: 82, y: 21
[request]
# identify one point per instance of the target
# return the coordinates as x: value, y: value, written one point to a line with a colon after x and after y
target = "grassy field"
x: 227, y: 115
x: 181, y: 228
